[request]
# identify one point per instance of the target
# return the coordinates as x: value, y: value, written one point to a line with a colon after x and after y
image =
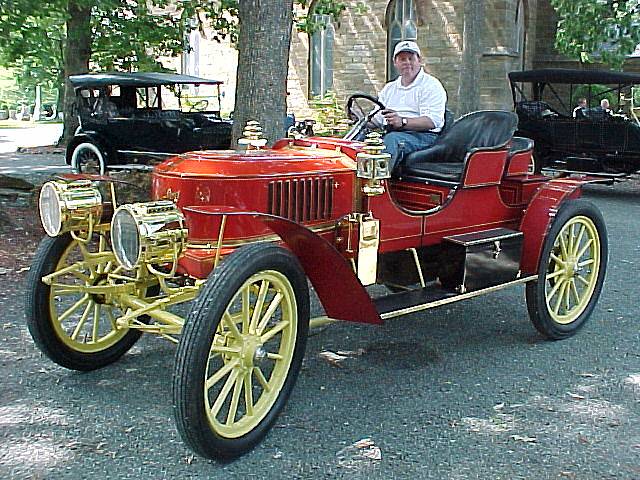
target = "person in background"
x: 415, y: 104
x: 105, y: 107
x: 578, y: 112
x: 604, y: 104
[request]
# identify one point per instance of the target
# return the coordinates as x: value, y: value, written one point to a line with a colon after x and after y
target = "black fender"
x: 110, y: 155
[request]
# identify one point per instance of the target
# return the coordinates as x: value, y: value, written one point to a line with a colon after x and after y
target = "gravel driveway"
x: 463, y: 392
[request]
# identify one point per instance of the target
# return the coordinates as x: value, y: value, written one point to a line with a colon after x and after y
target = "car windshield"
x: 189, y: 98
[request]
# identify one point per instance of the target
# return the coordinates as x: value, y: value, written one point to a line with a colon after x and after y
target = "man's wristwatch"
x: 404, y: 122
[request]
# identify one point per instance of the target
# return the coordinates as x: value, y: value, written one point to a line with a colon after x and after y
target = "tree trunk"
x: 469, y: 84
x: 263, y: 60
x: 77, y: 52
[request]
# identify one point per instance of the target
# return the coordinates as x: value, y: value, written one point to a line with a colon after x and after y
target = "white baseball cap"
x: 406, y: 46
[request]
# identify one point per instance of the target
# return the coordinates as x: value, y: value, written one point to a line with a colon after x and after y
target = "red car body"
x: 241, y: 232
x: 301, y: 189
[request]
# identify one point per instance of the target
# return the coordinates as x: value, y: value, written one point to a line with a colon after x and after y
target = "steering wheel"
x: 361, y: 112
x: 199, y: 106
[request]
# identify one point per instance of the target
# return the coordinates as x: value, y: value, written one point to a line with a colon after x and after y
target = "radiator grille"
x: 303, y: 199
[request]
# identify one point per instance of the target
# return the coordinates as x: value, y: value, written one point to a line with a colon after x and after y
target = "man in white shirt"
x: 578, y: 112
x: 415, y: 104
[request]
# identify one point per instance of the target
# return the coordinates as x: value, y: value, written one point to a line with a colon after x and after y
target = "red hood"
x: 288, y: 161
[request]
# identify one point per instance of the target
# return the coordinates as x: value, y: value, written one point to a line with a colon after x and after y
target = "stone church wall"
x: 361, y: 42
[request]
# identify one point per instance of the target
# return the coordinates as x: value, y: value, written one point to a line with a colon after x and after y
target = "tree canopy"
x: 47, y: 40
x: 124, y: 36
x: 598, y: 30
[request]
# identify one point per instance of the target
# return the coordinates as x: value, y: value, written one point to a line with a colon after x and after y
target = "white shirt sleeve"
x: 383, y: 98
x: 433, y: 101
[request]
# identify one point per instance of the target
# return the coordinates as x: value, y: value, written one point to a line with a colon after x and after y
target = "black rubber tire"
x: 535, y: 291
x: 539, y: 156
x: 197, y: 336
x: 91, y: 147
x: 39, y: 320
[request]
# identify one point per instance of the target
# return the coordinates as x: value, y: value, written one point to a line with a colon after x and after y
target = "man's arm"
x: 415, y: 124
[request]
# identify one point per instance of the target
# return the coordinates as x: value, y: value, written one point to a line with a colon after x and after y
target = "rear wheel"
x: 241, y: 351
x: 74, y: 328
x: 88, y: 157
x: 571, y: 271
x: 537, y: 161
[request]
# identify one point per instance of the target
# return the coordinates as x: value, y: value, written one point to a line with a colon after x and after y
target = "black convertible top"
x: 568, y: 76
x: 136, y: 79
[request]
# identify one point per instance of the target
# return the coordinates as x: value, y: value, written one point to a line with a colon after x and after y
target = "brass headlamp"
x: 69, y: 206
x: 150, y: 233
x: 373, y: 165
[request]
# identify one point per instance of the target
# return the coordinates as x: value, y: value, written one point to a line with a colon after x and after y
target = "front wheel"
x: 73, y: 327
x: 571, y: 271
x: 241, y: 351
x: 88, y: 157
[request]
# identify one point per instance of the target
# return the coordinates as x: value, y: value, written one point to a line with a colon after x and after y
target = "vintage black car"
x: 568, y: 138
x: 130, y: 118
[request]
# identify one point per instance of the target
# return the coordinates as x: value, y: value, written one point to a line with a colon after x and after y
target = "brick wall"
x: 361, y: 41
x: 360, y: 50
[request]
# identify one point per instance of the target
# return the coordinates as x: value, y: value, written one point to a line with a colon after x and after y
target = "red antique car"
x: 240, y: 233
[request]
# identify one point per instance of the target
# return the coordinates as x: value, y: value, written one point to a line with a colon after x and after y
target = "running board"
x: 131, y: 167
x: 403, y: 303
x: 590, y: 177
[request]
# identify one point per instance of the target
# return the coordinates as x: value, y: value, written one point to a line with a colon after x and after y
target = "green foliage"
x: 598, y: 92
x: 330, y: 114
x: 361, y: 8
x: 308, y: 24
x: 126, y: 36
x: 32, y: 45
x: 222, y: 17
x: 592, y: 30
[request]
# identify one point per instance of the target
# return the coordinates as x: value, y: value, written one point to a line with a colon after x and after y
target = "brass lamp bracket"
x: 367, y: 229
x: 252, y: 137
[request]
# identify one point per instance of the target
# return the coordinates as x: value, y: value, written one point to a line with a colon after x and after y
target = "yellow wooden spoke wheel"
x: 571, y: 271
x: 75, y: 327
x: 241, y: 350
x: 251, y: 354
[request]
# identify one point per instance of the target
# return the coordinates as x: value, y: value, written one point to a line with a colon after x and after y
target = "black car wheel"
x: 241, y: 350
x: 571, y: 271
x: 87, y: 157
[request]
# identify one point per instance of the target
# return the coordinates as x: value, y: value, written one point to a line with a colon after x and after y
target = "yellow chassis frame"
x: 122, y: 291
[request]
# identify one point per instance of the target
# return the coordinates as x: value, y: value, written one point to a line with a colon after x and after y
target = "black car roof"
x: 568, y: 76
x: 136, y: 79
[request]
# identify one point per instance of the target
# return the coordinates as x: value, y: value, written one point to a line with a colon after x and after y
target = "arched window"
x: 321, y: 56
x: 401, y: 25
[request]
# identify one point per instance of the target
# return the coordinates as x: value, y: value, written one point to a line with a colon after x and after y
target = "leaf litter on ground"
x: 358, y: 454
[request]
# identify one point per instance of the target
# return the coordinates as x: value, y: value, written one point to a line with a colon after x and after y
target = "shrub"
x: 330, y: 114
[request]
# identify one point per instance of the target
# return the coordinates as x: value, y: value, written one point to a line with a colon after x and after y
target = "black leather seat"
x: 445, y: 159
x: 519, y: 145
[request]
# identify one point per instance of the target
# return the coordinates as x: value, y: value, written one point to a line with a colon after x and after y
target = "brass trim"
x: 321, y: 321
x: 196, y: 245
x: 368, y: 246
x: 457, y: 298
x: 418, y: 266
x: 223, y: 224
